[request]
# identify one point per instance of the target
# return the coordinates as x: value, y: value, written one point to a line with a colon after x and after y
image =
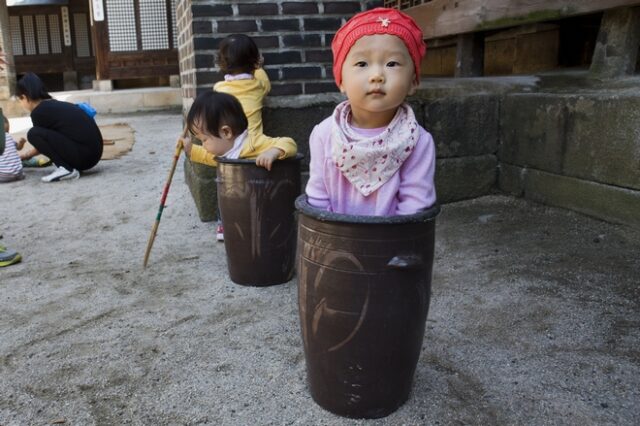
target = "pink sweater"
x: 409, y: 190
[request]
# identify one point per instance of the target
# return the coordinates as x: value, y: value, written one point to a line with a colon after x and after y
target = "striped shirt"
x: 10, y: 163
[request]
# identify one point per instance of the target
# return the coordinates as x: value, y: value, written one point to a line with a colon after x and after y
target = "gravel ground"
x: 534, y: 317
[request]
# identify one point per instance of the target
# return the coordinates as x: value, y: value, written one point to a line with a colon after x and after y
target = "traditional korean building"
x: 72, y: 43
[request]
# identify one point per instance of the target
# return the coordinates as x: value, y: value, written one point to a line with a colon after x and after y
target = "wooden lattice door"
x: 51, y: 39
x: 137, y: 39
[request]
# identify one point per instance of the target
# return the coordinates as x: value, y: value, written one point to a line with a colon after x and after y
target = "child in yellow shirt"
x: 217, y: 119
x: 240, y: 60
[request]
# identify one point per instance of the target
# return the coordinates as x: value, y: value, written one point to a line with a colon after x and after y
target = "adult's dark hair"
x: 216, y: 109
x: 32, y: 87
x: 237, y: 54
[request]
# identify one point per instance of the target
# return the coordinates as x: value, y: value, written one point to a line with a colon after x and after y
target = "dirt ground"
x: 534, y: 317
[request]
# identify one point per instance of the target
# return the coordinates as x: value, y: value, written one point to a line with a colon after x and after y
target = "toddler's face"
x: 217, y: 145
x: 378, y: 74
x: 6, y: 127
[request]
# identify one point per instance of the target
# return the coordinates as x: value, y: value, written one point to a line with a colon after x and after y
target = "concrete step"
x: 117, y: 101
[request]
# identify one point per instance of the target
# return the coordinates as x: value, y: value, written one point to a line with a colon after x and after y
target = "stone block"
x: 103, y: 85
x: 301, y: 73
x: 275, y: 25
x: 258, y: 9
x: 201, y: 181
x: 603, y: 139
x: 322, y: 24
x: 285, y: 89
x: 296, y: 123
x: 344, y: 8
x: 533, y: 131
x: 607, y: 202
x: 105, y: 103
x: 312, y: 88
x: 206, y: 10
x: 244, y: 26
x: 12, y: 108
x: 165, y: 99
x: 302, y: 8
x: 302, y: 40
x: 418, y: 109
x: 465, y: 177
x: 616, y: 49
x: 463, y: 126
x: 511, y: 179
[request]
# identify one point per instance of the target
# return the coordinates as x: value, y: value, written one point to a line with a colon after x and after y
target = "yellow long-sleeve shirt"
x: 250, y: 93
x: 251, y: 148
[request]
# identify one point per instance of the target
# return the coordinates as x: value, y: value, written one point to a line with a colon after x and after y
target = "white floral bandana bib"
x: 369, y: 162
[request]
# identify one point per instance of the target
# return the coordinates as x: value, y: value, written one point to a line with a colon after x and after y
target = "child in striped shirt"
x: 10, y: 163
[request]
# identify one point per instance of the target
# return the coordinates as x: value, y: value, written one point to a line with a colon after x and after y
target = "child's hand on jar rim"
x: 267, y: 158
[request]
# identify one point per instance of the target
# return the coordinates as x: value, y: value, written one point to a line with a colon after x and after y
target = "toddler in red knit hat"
x: 371, y: 157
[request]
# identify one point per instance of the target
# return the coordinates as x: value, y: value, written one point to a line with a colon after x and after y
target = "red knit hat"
x: 377, y: 21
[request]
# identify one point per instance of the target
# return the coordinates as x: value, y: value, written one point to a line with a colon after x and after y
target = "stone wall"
x: 464, y: 127
x: 579, y: 151
x: 565, y: 140
x: 186, y: 54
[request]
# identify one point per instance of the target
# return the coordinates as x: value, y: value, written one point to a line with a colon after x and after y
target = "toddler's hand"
x: 30, y: 153
x: 267, y: 158
x: 21, y: 143
x: 186, y: 145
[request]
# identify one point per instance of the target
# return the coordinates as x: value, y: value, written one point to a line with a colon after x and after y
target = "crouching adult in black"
x: 61, y: 131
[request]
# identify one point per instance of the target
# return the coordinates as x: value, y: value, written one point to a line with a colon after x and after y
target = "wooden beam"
x: 440, y: 18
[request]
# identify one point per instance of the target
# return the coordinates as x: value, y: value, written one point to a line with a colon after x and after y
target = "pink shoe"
x: 219, y: 232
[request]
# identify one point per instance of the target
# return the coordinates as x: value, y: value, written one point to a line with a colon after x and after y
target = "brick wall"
x: 293, y: 36
x: 186, y: 55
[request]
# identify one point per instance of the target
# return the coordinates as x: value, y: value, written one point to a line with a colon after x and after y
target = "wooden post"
x: 470, y: 55
x: 8, y: 74
x: 100, y: 38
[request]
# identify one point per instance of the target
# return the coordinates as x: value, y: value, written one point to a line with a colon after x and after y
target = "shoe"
x: 219, y: 232
x: 8, y: 257
x: 60, y: 173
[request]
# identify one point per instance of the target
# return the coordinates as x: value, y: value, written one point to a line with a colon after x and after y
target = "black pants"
x: 64, y: 151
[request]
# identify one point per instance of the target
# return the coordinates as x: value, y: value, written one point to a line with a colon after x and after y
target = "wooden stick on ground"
x: 165, y: 191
